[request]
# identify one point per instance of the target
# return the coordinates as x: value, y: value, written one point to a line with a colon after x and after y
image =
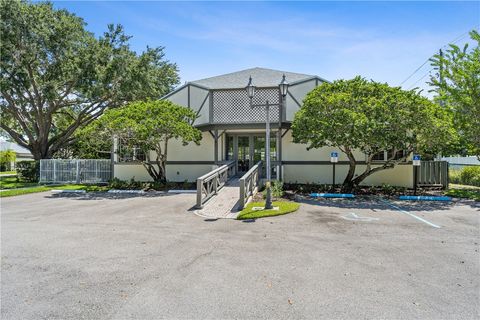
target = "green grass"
x: 8, y: 172
x: 284, y: 208
x: 463, y: 191
x: 12, y: 183
x: 37, y: 188
x: 18, y: 192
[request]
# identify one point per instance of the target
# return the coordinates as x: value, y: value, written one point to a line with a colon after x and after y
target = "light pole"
x: 250, y: 88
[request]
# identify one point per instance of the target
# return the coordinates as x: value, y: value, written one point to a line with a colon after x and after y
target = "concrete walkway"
x: 225, y: 204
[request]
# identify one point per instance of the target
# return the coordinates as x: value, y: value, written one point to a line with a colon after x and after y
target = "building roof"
x: 6, y: 145
x: 262, y: 77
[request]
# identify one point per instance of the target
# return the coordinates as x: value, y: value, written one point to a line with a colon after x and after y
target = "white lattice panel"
x: 232, y: 106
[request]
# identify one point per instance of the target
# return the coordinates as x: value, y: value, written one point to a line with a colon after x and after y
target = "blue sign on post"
x: 416, y: 159
x: 416, y: 164
x: 334, y: 157
x: 333, y: 160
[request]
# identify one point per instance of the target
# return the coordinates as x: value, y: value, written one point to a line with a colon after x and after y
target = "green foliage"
x: 371, y: 117
x: 13, y: 182
x: 469, y: 176
x: 19, y: 192
x: 276, y: 188
x: 473, y: 194
x: 56, y: 77
x: 149, y: 126
x: 284, y: 207
x: 36, y: 189
x: 28, y: 171
x: 116, y: 183
x: 6, y: 159
x: 388, y: 190
x: 132, y: 184
x: 307, y: 188
x: 454, y: 176
x: 457, y: 84
x: 466, y: 176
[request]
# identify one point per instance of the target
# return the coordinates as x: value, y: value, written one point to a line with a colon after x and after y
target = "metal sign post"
x: 416, y: 164
x: 333, y: 160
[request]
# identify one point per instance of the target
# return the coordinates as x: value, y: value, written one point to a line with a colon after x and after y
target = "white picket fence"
x: 75, y: 170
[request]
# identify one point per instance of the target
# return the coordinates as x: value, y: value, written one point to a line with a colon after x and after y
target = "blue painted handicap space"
x: 332, y: 195
x: 425, y: 198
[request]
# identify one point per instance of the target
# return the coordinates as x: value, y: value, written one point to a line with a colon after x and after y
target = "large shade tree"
x: 371, y: 117
x: 146, y: 126
x: 457, y: 84
x: 56, y: 77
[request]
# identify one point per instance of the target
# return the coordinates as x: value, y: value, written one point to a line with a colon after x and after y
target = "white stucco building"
x: 232, y: 130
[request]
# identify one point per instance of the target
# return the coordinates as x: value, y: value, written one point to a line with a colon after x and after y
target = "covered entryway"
x: 246, y: 149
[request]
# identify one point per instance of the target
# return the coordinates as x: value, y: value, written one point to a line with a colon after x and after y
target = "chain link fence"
x: 88, y: 171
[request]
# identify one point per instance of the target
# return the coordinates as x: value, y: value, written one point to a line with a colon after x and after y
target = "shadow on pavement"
x: 107, y: 195
x: 376, y: 203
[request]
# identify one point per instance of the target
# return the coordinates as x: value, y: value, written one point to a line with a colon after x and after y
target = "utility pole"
x: 440, y: 74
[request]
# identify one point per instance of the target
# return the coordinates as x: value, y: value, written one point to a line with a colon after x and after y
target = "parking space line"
x: 410, y: 214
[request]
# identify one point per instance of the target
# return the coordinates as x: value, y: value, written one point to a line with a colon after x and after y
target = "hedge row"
x: 28, y: 171
x: 467, y: 176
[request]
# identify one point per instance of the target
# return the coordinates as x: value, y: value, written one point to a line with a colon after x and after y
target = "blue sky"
x: 384, y: 41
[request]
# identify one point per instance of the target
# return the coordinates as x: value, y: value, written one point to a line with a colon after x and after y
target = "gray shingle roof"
x: 6, y: 145
x: 262, y: 77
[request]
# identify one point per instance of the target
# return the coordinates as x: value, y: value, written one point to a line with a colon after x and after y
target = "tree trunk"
x: 368, y: 171
x: 389, y: 164
x: 158, y: 175
x: 348, y: 182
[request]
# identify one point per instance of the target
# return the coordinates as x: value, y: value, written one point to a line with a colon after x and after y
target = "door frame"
x: 251, y: 150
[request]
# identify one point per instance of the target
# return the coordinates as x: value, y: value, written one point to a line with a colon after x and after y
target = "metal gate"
x: 433, y: 173
x: 75, y: 170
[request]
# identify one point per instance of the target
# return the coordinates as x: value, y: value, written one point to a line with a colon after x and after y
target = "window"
x: 128, y: 153
x: 380, y: 156
x: 385, y: 155
x: 398, y: 155
x: 259, y: 148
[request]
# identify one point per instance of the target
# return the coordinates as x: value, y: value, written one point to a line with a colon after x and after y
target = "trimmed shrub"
x: 6, y: 159
x: 276, y: 188
x: 28, y: 171
x: 132, y: 184
x: 454, y: 176
x: 470, y: 176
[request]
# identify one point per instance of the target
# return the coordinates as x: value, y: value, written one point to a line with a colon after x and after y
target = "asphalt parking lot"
x: 148, y: 257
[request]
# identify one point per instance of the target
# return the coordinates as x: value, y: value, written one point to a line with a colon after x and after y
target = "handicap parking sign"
x: 334, y: 157
x: 416, y: 159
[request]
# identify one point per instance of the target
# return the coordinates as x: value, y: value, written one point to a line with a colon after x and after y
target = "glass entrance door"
x: 248, y: 149
x: 243, y: 156
x: 259, y: 148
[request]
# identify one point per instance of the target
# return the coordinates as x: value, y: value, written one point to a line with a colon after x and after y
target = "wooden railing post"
x: 242, y: 193
x: 199, y: 193
x: 248, y: 184
x: 211, y: 183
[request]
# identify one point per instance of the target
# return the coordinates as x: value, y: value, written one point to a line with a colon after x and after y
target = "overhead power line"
x: 426, y: 74
x: 460, y: 37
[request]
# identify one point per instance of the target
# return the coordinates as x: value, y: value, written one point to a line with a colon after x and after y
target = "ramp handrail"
x: 249, y: 184
x: 210, y: 183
